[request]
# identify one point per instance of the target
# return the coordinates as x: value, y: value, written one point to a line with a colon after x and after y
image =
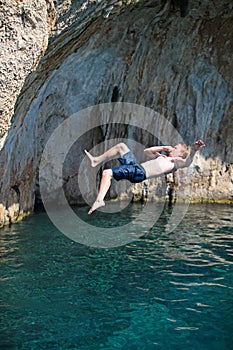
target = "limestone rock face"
x: 143, y: 53
x: 25, y: 27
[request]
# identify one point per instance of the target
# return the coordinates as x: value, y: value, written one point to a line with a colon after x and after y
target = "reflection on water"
x: 162, y: 291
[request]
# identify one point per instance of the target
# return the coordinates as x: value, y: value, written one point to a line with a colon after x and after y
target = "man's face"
x: 177, y: 151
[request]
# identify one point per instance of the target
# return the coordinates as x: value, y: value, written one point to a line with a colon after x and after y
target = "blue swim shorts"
x: 129, y: 169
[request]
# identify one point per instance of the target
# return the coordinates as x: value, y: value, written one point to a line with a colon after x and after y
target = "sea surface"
x: 164, y: 290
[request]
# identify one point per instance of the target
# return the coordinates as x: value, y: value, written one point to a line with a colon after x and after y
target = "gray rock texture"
x: 25, y: 27
x: 143, y: 53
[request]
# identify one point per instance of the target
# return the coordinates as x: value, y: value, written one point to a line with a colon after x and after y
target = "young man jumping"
x: 178, y: 157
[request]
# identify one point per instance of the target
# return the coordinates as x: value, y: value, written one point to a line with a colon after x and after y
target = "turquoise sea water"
x: 162, y: 291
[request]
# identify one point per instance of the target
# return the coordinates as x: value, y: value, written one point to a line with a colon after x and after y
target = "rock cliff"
x: 25, y: 27
x: 149, y: 53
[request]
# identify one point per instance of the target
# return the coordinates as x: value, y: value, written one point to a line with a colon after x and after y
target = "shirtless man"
x: 178, y: 157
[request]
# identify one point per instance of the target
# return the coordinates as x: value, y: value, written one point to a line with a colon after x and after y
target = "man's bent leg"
x: 105, y: 183
x: 118, y: 150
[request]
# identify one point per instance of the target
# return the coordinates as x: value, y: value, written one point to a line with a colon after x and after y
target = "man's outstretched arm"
x: 152, y: 152
x: 183, y: 163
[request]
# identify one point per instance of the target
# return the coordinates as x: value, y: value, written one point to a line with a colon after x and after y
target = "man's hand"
x: 198, y: 145
x: 168, y: 148
x: 153, y: 152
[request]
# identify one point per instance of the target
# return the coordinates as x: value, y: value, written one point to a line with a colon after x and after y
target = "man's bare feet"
x: 91, y: 158
x: 95, y: 206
